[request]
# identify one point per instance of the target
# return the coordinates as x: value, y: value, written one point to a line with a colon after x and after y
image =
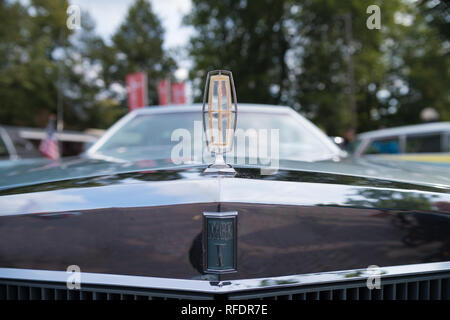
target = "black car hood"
x: 145, y: 217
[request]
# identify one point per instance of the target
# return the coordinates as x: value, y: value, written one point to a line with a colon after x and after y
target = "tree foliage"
x: 298, y: 53
x: 247, y: 37
x: 281, y: 52
x: 138, y: 46
x: 38, y: 53
x: 28, y: 71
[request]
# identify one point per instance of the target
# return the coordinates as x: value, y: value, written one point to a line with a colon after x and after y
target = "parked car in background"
x: 14, y: 147
x: 428, y: 142
x: 23, y: 142
x: 72, y: 142
x: 146, y: 133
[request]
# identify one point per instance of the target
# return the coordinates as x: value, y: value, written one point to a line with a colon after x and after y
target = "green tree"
x: 28, y: 71
x: 247, y: 37
x: 324, y: 50
x: 138, y: 46
x: 38, y: 54
x: 421, y: 63
x: 87, y: 99
x: 437, y: 15
x: 300, y: 53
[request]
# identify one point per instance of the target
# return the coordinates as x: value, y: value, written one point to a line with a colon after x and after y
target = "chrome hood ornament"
x: 219, y: 118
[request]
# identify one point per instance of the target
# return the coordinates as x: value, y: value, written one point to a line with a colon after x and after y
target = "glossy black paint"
x: 197, y: 172
x: 293, y: 222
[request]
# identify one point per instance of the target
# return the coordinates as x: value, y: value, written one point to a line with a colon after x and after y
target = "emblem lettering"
x: 220, y: 231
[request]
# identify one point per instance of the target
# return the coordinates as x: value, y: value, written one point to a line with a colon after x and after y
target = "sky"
x: 109, y: 14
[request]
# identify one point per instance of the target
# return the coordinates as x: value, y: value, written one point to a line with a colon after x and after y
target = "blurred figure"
x: 349, y: 137
x: 49, y: 146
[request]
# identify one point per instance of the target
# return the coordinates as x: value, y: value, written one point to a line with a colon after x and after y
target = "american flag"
x: 49, y: 146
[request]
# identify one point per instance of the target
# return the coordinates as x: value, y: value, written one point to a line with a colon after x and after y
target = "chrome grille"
x: 23, y: 290
x: 420, y: 288
x: 413, y: 282
x: 426, y: 287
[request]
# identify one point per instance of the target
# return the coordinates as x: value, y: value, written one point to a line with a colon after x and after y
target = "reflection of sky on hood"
x: 205, y: 190
x: 281, y: 192
x: 130, y: 195
x: 33, y: 202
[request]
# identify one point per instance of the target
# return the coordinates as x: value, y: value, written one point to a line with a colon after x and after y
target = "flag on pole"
x: 163, y: 92
x: 136, y: 90
x: 178, y: 94
x: 49, y: 146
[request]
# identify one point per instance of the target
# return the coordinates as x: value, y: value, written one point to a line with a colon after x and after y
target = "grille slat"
x: 402, y: 291
x: 378, y: 294
x: 326, y: 295
x: 3, y: 292
x: 413, y: 291
x: 446, y: 289
x: 11, y: 293
x: 424, y: 290
x: 435, y: 289
x: 353, y: 294
x: 365, y: 294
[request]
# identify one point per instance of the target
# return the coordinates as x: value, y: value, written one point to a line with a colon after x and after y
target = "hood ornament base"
x: 219, y: 167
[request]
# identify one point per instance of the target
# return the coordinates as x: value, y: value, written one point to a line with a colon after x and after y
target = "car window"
x: 425, y: 143
x: 383, y: 146
x: 447, y: 147
x: 152, y: 132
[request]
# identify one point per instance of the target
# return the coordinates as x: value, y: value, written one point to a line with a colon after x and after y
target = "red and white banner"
x: 136, y: 90
x: 178, y: 93
x: 163, y: 92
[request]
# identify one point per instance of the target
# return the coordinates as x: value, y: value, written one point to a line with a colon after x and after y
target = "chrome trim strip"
x: 223, y: 287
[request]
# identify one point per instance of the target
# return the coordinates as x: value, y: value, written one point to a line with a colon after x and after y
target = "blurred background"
x: 317, y: 56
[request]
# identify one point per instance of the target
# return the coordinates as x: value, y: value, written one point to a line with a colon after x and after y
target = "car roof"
x: 30, y: 133
x: 245, y: 107
x: 411, y: 129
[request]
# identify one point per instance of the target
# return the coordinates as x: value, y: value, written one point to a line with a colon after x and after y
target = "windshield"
x: 156, y: 136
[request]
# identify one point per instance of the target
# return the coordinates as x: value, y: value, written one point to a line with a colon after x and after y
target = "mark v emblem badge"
x: 220, y: 242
